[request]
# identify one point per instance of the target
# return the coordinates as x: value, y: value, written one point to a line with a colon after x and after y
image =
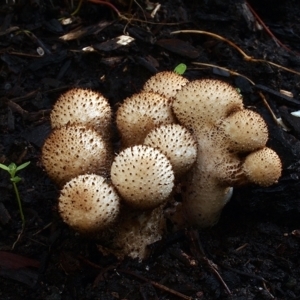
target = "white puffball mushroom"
x: 143, y: 177
x: 82, y: 107
x: 165, y: 83
x: 139, y: 114
x: 88, y: 204
x: 263, y: 167
x: 74, y: 150
x: 202, y: 103
x: 177, y: 143
x: 245, y: 130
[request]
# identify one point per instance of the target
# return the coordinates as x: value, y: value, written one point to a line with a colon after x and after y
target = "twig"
x: 19, y: 237
x: 245, y: 56
x: 25, y: 97
x: 156, y: 284
x: 244, y: 273
x: 42, y: 229
x: 276, y: 40
x: 267, y: 290
x: 200, y: 255
x: 77, y: 9
x: 129, y: 19
x: 107, y: 4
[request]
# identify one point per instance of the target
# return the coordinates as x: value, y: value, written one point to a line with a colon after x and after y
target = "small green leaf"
x: 20, y: 167
x: 180, y: 69
x: 15, y: 179
x: 12, y: 169
x: 4, y: 167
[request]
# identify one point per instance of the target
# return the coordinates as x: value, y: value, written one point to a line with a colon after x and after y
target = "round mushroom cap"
x: 88, y: 204
x: 141, y: 113
x: 74, y: 150
x: 82, y: 107
x: 176, y: 143
x: 262, y: 167
x: 165, y: 83
x: 143, y: 176
x: 205, y: 102
x: 246, y: 131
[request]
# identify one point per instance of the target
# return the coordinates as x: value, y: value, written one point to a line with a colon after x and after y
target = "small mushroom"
x: 176, y: 143
x: 165, y: 83
x: 74, y: 150
x: 263, y: 167
x: 246, y: 131
x: 143, y: 177
x: 141, y: 113
x: 82, y: 107
x: 88, y: 204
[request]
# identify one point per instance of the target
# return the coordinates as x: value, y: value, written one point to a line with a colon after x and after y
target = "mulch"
x: 253, y: 252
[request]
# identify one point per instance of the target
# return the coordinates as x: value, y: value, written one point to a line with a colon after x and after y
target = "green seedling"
x: 12, y: 169
x: 180, y: 69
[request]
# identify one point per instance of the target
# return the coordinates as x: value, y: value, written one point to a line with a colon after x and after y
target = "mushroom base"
x: 134, y: 232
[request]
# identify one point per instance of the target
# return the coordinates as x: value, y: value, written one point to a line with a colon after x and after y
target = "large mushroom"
x: 225, y: 133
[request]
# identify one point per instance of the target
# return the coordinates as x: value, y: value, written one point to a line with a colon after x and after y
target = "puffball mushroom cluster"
x: 174, y: 133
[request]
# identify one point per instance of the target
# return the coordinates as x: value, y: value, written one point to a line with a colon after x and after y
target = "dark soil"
x: 252, y: 253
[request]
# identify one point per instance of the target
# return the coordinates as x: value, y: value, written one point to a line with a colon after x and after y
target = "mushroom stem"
x: 134, y: 232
